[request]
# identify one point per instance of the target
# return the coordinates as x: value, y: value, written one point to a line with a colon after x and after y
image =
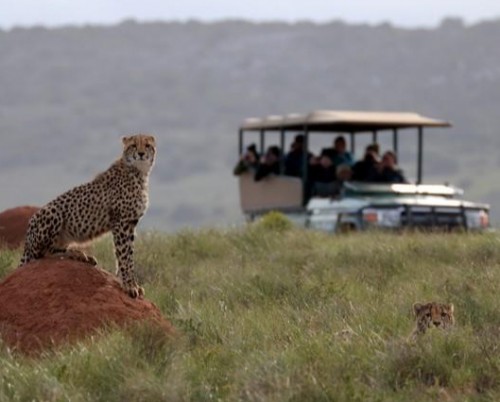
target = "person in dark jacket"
x: 388, y: 171
x: 322, y: 170
x: 367, y: 167
x: 333, y: 188
x: 269, y: 164
x: 295, y: 158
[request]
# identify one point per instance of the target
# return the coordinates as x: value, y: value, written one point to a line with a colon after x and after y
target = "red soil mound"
x: 51, y: 301
x: 13, y: 225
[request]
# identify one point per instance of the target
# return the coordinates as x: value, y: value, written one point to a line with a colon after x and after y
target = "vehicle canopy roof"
x: 342, y: 121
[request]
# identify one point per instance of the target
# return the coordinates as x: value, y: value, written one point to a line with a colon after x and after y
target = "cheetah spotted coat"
x: 113, y: 202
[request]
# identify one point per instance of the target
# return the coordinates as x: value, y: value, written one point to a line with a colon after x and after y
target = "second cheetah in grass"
x: 432, y: 314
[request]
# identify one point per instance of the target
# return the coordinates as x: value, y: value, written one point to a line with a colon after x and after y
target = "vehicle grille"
x: 433, y: 217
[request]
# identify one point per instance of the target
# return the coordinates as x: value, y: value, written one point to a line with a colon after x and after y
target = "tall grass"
x: 269, y: 312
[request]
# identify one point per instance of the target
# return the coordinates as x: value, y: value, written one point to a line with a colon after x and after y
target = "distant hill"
x: 69, y: 93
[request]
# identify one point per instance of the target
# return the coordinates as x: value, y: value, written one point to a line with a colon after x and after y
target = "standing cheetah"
x: 114, y: 201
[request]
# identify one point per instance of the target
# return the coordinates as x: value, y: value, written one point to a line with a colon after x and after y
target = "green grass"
x: 261, y: 309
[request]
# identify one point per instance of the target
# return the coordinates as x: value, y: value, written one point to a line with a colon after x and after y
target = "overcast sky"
x: 398, y: 12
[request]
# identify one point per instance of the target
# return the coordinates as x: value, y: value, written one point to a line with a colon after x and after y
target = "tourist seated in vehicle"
x: 333, y: 188
x: 322, y: 169
x: 270, y: 163
x: 248, y: 162
x: 344, y: 174
x: 339, y: 154
x: 322, y: 175
x: 366, y: 168
x: 388, y: 171
x: 294, y: 159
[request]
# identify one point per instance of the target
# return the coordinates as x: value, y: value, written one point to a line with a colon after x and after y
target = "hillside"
x: 69, y: 93
x: 269, y: 313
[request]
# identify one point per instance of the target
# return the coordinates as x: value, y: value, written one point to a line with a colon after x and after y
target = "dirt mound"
x: 52, y: 301
x: 13, y: 225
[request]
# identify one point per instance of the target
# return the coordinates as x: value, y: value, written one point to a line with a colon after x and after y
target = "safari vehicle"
x: 361, y: 205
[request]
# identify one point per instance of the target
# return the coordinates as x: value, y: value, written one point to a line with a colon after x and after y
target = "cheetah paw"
x: 77, y: 255
x: 135, y: 292
x: 91, y: 260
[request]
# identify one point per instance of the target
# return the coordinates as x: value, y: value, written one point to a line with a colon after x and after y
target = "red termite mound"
x: 53, y: 301
x: 13, y: 225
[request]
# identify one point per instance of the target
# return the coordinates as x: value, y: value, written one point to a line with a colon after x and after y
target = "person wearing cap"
x: 333, y: 187
x: 343, y: 173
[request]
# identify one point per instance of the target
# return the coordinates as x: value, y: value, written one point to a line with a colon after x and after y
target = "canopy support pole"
x: 395, y: 141
x: 240, y: 142
x: 282, y: 146
x: 374, y: 136
x: 420, y: 155
x: 305, y: 164
x: 262, y: 142
x: 353, y: 144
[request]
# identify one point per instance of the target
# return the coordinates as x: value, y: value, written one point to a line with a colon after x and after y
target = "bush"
x: 274, y: 221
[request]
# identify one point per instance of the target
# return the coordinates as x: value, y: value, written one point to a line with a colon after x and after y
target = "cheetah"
x: 432, y: 314
x: 113, y: 202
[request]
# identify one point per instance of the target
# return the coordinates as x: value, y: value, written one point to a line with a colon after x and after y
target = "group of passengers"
x: 327, y: 172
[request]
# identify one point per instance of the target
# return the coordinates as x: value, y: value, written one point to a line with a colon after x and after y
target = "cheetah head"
x: 433, y: 314
x: 139, y: 151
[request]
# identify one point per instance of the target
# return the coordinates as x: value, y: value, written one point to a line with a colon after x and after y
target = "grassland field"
x: 273, y: 313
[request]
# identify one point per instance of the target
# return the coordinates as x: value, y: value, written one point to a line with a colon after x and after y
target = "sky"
x: 421, y: 13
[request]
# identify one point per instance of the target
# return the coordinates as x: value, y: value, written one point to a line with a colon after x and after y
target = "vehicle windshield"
x: 357, y: 189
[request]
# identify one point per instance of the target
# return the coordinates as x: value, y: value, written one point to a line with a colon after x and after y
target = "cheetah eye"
x: 428, y: 315
x: 148, y: 146
x: 443, y: 314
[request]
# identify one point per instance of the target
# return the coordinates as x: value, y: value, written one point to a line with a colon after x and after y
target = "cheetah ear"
x: 125, y: 139
x: 450, y: 307
x: 417, y: 307
x: 152, y: 138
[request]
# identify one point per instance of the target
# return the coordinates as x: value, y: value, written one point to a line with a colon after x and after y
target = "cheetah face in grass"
x: 433, y: 314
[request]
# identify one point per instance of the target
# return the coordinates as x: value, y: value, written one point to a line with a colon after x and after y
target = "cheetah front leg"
x: 123, y: 237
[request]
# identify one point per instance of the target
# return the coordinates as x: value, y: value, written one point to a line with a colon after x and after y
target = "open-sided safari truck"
x: 361, y: 204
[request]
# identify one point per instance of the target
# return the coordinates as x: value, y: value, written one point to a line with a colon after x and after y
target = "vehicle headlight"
x: 383, y: 217
x: 477, y: 219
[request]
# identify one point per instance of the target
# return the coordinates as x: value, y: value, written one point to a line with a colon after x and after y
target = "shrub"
x: 274, y: 221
